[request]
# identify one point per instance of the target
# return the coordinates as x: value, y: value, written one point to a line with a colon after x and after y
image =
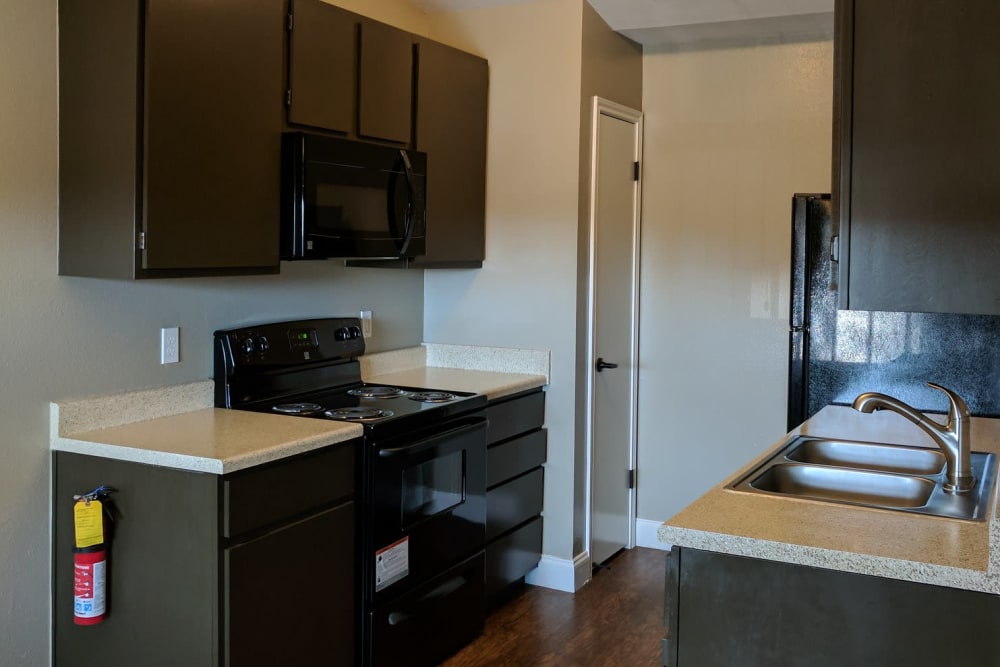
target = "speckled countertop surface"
x: 209, y: 440
x: 496, y: 372
x: 897, y: 545
x: 178, y: 426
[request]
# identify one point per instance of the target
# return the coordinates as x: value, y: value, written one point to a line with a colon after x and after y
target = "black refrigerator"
x: 834, y: 355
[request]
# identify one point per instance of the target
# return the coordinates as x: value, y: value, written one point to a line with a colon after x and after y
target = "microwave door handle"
x: 408, y: 220
x: 433, y: 441
x: 390, y: 200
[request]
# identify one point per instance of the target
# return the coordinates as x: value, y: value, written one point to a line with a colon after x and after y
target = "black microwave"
x: 350, y: 199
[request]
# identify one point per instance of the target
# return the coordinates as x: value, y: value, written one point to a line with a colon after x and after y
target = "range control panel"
x: 289, y: 344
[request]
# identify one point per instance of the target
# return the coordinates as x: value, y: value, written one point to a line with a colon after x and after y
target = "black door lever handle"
x: 601, y: 365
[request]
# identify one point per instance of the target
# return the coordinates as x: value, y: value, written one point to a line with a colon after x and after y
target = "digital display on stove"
x: 303, y: 339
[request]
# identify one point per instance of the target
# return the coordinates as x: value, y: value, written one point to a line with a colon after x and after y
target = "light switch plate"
x: 366, y: 323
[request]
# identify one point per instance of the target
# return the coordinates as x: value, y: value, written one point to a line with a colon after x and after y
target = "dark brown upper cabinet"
x: 451, y: 124
x: 323, y: 65
x: 916, y: 141
x: 385, y: 83
x: 169, y: 117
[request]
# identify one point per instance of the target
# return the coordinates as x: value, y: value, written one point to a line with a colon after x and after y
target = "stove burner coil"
x: 376, y: 392
x: 358, y: 414
x: 432, y: 396
x: 297, y: 408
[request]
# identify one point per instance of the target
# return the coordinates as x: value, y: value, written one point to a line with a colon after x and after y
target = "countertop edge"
x: 831, y: 559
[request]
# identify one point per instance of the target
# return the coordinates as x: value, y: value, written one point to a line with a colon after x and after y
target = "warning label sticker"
x: 392, y: 563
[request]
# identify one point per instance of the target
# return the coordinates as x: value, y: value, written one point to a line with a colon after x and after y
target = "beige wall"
x: 71, y: 337
x: 525, y: 294
x: 399, y: 13
x: 730, y: 134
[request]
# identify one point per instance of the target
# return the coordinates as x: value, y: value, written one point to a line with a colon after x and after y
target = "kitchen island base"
x: 723, y: 610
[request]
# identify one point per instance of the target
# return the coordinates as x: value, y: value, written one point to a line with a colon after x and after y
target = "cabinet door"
x: 322, y: 66
x: 213, y: 118
x: 289, y: 595
x: 919, y: 139
x: 385, y: 88
x: 452, y: 89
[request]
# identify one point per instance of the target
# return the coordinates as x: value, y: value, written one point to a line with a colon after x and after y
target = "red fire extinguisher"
x: 91, y: 517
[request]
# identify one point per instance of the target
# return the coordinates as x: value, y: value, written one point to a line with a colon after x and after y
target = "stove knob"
x: 247, y: 346
x: 355, y: 332
x: 342, y: 333
x: 262, y: 344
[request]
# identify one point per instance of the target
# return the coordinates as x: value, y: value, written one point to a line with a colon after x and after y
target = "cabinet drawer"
x: 509, y: 459
x: 512, y: 556
x: 261, y: 496
x: 514, y: 503
x: 516, y: 415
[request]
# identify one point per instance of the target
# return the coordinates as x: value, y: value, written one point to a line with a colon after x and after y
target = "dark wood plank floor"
x: 615, y: 620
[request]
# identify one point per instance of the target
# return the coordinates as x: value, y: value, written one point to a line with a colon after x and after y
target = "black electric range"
x: 422, y: 505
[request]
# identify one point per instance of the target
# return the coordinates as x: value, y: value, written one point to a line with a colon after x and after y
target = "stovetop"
x: 368, y: 403
x: 309, y: 368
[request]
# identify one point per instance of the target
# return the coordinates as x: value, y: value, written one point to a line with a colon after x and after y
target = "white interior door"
x: 614, y: 326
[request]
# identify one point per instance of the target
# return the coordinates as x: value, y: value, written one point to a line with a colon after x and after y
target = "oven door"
x: 427, y: 504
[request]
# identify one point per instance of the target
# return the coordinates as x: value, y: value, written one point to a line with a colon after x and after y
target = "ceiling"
x: 653, y: 22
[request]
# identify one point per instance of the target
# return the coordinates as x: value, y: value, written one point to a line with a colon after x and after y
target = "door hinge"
x: 835, y: 248
x: 140, y: 242
x: 288, y: 97
x: 631, y: 479
x: 290, y: 23
x: 635, y: 172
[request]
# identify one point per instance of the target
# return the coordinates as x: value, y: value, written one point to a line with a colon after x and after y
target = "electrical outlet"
x: 170, y: 345
x: 366, y: 323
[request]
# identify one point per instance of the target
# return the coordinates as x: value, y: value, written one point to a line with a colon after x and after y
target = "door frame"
x: 606, y: 107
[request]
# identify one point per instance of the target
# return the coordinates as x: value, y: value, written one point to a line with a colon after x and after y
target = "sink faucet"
x: 952, y: 437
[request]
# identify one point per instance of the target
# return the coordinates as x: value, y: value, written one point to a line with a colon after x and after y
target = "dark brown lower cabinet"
x: 724, y: 610
x: 256, y: 568
x: 515, y: 491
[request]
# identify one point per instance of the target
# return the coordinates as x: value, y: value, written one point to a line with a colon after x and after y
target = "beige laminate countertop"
x: 210, y: 440
x: 494, y: 385
x: 898, y: 545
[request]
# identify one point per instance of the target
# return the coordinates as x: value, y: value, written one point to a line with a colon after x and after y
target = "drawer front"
x: 264, y: 495
x: 512, y: 556
x: 510, y: 417
x: 511, y: 458
x: 513, y: 503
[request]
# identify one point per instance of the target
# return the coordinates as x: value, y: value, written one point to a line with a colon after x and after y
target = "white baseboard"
x: 561, y: 574
x: 645, y: 535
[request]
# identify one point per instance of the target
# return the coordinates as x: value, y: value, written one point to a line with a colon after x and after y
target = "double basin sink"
x: 894, y: 477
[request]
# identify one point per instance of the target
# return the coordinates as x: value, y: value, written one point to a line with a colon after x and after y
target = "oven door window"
x: 433, y: 487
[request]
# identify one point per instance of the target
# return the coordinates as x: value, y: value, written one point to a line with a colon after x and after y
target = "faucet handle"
x: 958, y: 410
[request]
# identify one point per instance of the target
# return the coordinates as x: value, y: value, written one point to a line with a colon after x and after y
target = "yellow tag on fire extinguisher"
x: 88, y: 522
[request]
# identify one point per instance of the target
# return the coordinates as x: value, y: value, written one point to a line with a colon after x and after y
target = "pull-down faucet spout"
x: 952, y: 437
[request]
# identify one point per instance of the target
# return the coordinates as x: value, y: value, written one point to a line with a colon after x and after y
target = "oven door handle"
x: 433, y: 441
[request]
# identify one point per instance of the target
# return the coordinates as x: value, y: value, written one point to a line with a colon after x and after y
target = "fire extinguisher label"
x: 88, y: 589
x: 88, y: 523
x: 392, y: 563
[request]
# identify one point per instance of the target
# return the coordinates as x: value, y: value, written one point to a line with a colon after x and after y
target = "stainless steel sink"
x: 846, y: 485
x: 868, y: 456
x: 893, y: 477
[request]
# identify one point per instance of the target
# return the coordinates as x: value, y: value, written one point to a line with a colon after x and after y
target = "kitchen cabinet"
x: 169, y: 136
x: 322, y: 65
x: 385, y: 82
x: 724, y: 610
x: 515, y: 489
x: 256, y: 567
x: 451, y: 124
x: 915, y: 145
x: 451, y: 128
